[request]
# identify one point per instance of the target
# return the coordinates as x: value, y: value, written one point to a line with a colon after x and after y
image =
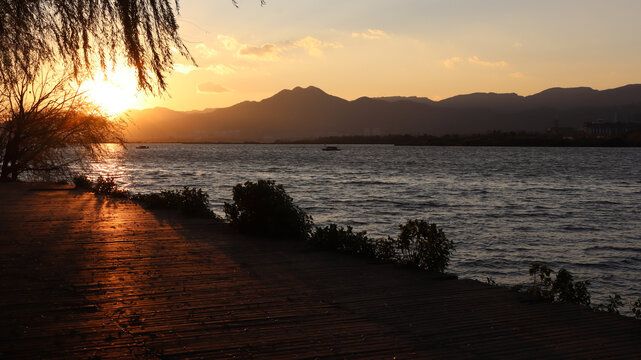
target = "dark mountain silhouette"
x: 310, y: 112
x: 417, y: 99
x: 497, y: 102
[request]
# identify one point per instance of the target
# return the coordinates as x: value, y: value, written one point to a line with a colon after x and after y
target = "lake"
x: 577, y: 208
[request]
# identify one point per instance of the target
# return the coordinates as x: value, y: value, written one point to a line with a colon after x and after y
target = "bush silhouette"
x: 333, y: 237
x: 107, y: 186
x: 189, y: 201
x: 264, y: 208
x: 561, y: 289
x: 83, y: 182
x: 423, y: 245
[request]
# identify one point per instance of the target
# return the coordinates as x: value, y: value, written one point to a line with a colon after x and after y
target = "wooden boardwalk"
x: 93, y: 278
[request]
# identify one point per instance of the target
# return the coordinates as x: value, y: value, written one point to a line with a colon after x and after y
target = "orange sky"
x: 429, y: 48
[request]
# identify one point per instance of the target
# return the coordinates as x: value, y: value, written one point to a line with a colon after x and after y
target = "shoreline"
x: 604, y: 144
x: 91, y: 276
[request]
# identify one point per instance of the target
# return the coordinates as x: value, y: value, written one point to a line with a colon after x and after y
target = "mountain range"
x: 304, y: 113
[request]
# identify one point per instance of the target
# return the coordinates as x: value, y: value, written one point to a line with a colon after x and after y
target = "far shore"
x: 489, y: 139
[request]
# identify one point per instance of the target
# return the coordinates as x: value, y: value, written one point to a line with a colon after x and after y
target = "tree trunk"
x: 4, y: 175
x: 9, y: 169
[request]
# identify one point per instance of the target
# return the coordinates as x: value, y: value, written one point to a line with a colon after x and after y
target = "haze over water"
x: 578, y: 208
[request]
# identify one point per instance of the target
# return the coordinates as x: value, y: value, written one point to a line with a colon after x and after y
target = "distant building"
x: 609, y: 130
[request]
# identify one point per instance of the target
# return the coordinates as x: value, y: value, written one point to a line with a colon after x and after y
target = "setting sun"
x: 114, y: 92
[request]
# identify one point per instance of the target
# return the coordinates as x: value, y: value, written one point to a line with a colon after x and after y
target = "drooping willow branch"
x: 84, y: 34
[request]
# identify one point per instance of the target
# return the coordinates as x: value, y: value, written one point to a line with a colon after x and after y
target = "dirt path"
x: 93, y: 278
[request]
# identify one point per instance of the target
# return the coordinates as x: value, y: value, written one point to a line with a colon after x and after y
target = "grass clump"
x: 189, y: 201
x: 264, y: 208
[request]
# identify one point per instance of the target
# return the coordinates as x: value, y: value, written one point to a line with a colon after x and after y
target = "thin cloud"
x: 517, y: 75
x: 221, y: 69
x: 314, y: 46
x: 517, y: 45
x: 211, y: 88
x: 263, y: 52
x: 229, y: 42
x: 477, y: 61
x: 206, y: 51
x: 372, y: 34
x: 184, y: 69
x: 271, y: 52
x: 449, y: 63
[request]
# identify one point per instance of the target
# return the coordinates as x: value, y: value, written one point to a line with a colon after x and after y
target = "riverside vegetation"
x: 188, y: 201
x: 265, y: 209
x: 564, y: 289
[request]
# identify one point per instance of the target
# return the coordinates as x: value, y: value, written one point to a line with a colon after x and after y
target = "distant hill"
x: 422, y: 100
x: 310, y: 112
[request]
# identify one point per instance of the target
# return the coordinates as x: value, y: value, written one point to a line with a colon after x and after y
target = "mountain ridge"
x: 309, y: 112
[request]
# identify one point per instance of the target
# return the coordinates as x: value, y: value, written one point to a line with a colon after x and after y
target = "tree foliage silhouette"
x: 46, y: 125
x: 87, y: 33
x: 46, y: 47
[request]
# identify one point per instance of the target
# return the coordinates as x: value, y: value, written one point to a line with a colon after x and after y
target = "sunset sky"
x: 432, y: 48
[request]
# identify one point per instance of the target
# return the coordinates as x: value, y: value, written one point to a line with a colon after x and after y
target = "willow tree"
x: 89, y: 33
x: 45, y: 123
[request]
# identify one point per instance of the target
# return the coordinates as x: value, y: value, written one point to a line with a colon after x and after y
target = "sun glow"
x: 114, y: 92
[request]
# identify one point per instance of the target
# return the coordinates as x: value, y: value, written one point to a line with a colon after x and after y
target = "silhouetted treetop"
x: 86, y: 33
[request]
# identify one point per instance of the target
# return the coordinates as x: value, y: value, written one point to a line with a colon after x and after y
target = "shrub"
x: 568, y: 291
x: 107, y: 186
x: 636, y: 309
x: 189, y: 201
x: 337, y: 238
x: 385, y: 250
x: 82, y: 181
x: 264, y: 208
x: 423, y: 245
x: 561, y: 289
x: 613, y: 305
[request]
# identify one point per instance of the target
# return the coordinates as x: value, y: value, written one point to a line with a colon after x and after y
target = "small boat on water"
x: 331, y: 148
x: 142, y: 147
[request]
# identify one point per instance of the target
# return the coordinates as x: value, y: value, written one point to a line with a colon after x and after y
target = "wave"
x: 613, y: 248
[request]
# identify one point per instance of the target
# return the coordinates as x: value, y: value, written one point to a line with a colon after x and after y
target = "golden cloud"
x: 477, y: 61
x: 206, y: 51
x: 229, y: 42
x: 314, y: 46
x: 221, y: 69
x: 372, y: 34
x: 263, y: 52
x: 449, y: 63
x: 184, y: 69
